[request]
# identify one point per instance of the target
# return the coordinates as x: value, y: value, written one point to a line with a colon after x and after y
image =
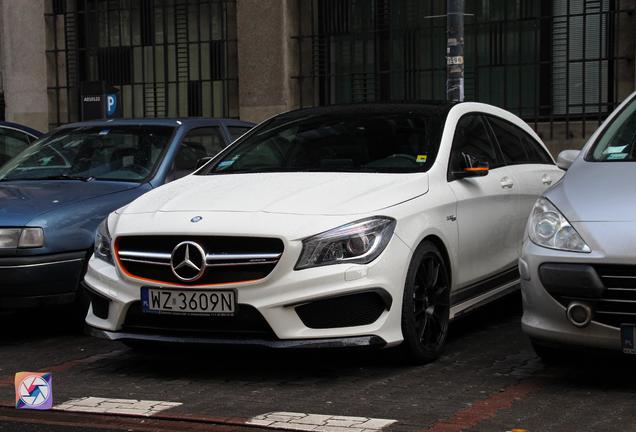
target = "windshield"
x: 394, y: 143
x: 120, y: 153
x: 618, y: 142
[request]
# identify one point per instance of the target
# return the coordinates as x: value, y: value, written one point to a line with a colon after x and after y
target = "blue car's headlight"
x: 11, y: 238
x: 102, y: 242
x: 359, y: 242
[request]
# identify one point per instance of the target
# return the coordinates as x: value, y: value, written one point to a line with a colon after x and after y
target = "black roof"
x: 173, y: 122
x: 440, y: 108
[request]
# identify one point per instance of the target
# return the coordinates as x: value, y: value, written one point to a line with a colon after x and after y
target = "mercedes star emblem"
x: 188, y: 261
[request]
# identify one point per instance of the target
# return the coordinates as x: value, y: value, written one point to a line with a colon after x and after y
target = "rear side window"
x: 472, y: 139
x: 236, y: 131
x: 516, y: 145
x: 12, y: 142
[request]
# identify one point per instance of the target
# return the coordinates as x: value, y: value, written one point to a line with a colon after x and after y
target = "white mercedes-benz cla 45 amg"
x: 342, y: 226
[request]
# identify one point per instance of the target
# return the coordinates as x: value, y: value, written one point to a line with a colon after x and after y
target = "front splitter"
x: 324, y: 343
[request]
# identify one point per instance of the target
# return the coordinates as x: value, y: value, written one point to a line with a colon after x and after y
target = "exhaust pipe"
x: 579, y: 314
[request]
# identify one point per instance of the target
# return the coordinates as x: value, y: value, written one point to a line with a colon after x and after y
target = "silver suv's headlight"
x: 102, y: 242
x: 549, y: 228
x: 359, y: 242
x: 11, y: 238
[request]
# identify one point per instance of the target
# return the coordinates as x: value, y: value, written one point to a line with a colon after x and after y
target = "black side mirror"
x: 471, y: 167
x: 202, y: 162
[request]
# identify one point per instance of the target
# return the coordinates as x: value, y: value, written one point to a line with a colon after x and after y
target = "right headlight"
x: 102, y: 243
x: 358, y: 242
x: 549, y: 228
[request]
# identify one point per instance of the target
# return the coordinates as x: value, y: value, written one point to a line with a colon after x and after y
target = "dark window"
x: 473, y: 140
x: 118, y: 153
x: 197, y: 144
x: 516, y: 145
x: 536, y: 152
x: 12, y: 142
x: 360, y: 142
x: 236, y: 131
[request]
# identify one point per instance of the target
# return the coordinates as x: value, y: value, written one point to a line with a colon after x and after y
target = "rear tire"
x: 426, y: 305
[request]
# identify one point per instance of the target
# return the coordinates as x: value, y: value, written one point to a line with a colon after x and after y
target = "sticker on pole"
x: 457, y: 60
x: 34, y: 390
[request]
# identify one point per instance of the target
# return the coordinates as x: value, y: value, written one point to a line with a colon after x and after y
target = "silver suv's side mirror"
x: 566, y: 158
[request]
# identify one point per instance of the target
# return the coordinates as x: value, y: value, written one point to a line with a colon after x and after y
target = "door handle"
x: 547, y: 180
x: 506, y: 183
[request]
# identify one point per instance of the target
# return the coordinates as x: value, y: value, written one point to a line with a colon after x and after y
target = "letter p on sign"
x: 111, y: 104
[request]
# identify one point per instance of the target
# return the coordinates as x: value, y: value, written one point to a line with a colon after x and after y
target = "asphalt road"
x: 488, y: 379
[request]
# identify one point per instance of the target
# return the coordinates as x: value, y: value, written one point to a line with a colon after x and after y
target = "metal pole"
x: 455, y: 51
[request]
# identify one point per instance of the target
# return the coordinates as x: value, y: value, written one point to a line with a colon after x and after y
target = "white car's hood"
x: 289, y: 193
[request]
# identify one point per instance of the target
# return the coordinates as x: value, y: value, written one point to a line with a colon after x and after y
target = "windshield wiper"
x: 65, y: 177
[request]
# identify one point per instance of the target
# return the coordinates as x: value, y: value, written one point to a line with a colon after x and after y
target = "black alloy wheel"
x: 426, y: 304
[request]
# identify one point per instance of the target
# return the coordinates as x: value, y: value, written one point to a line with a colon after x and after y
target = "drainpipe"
x: 455, y: 51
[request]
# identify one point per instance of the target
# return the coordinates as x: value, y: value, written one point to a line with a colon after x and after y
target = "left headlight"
x: 103, y: 242
x: 549, y: 228
x: 359, y: 242
x: 11, y: 238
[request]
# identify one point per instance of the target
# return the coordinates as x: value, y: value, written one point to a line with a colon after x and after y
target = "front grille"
x: 617, y: 305
x: 227, y: 259
x: 246, y: 323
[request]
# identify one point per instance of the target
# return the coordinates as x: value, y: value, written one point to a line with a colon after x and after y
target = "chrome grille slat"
x: 615, y: 313
x: 242, y: 264
x: 247, y: 256
x: 134, y: 260
x: 144, y: 255
x: 617, y: 277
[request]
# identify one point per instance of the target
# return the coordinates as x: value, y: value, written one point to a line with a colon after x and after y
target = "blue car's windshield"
x: 119, y: 153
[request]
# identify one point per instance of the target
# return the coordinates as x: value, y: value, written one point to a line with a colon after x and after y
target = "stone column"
x: 23, y: 62
x: 266, y: 58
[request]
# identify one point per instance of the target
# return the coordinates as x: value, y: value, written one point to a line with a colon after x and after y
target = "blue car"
x: 14, y: 138
x: 54, y: 194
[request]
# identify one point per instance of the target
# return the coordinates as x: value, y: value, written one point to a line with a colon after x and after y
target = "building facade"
x: 562, y: 65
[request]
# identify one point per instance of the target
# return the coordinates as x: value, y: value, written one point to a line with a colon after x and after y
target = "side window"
x: 472, y: 140
x: 197, y: 144
x: 536, y: 152
x: 236, y: 131
x: 516, y: 145
x: 512, y: 146
x: 12, y: 142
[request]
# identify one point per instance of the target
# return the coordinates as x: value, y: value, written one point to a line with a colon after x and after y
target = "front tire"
x: 548, y: 354
x: 426, y: 305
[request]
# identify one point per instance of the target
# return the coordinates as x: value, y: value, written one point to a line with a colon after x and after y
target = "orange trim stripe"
x: 158, y: 282
x: 477, y: 169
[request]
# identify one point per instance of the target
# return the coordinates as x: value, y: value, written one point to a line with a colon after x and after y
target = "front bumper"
x: 275, y: 298
x: 544, y: 318
x: 33, y: 281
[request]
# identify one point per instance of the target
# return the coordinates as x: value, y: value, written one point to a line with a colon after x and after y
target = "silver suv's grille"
x: 617, y: 305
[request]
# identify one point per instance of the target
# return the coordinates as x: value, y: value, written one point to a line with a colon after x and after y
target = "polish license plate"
x: 188, y: 301
x: 628, y: 338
